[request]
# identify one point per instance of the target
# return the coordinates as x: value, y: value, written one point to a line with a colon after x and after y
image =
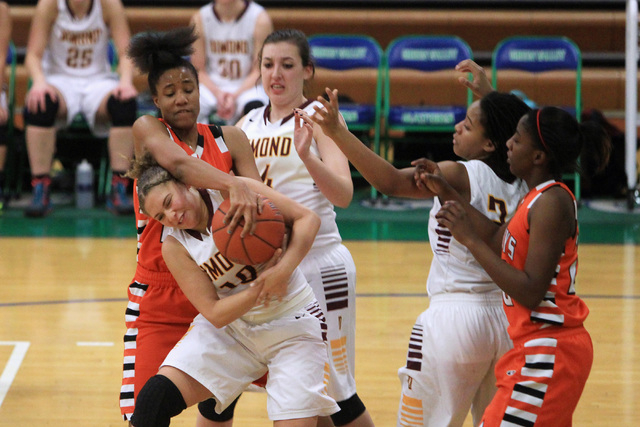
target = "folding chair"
x: 557, y: 58
x: 336, y: 58
x: 434, y: 104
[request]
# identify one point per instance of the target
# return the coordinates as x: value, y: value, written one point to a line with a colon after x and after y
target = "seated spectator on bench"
x: 230, y: 33
x: 67, y: 62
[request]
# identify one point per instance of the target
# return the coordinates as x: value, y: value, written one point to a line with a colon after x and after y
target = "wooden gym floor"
x: 62, y: 302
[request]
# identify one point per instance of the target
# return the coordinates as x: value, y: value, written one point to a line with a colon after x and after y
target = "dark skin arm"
x: 244, y: 163
x: 429, y: 175
x: 385, y: 177
x: 480, y: 84
x: 151, y: 135
x: 552, y: 222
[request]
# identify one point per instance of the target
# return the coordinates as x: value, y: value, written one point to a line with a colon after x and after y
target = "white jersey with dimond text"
x: 230, y: 278
x: 282, y: 169
x: 78, y: 47
x: 229, y: 49
x: 454, y: 269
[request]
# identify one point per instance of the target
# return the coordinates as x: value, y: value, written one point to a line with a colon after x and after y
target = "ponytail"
x: 565, y: 140
x: 596, y: 145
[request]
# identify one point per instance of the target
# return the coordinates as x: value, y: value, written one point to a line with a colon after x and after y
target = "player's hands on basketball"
x: 36, y: 96
x: 480, y: 84
x: 273, y: 283
x: 245, y: 204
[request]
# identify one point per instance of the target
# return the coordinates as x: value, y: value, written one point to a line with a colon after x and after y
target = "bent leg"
x: 158, y: 401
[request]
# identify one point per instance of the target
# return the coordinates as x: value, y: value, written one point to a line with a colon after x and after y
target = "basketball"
x: 254, y: 248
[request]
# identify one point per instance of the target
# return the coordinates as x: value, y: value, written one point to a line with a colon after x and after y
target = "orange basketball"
x: 254, y: 248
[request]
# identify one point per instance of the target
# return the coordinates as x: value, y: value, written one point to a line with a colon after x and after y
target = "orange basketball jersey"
x: 560, y: 307
x: 212, y: 149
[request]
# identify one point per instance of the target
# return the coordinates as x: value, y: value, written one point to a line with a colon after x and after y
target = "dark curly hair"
x: 499, y: 116
x: 155, y: 52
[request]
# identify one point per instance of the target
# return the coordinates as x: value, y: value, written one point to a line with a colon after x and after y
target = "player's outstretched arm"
x: 377, y: 171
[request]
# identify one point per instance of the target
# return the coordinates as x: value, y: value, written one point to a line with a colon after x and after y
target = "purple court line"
x: 361, y: 295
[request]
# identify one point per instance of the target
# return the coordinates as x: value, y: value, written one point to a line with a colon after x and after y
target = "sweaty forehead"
x: 175, y: 76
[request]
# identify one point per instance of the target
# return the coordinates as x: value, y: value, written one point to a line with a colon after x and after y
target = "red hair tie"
x: 540, y: 133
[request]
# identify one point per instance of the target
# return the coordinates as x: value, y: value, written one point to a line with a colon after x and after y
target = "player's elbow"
x: 530, y: 303
x: 216, y: 319
x: 313, y: 221
x: 178, y: 166
x: 532, y: 300
x: 343, y: 194
x: 344, y: 200
x: 218, y: 323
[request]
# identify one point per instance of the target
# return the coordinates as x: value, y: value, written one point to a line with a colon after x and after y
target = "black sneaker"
x: 119, y: 202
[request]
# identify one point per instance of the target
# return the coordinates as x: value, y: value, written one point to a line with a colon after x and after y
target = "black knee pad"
x: 350, y: 409
x: 46, y: 118
x: 122, y: 113
x: 252, y: 105
x: 157, y: 402
x: 207, y: 409
x: 4, y: 131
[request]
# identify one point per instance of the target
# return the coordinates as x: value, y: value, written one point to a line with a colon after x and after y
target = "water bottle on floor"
x: 84, y: 185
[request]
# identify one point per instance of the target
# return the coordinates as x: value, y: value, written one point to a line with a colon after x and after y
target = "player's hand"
x: 226, y: 106
x: 424, y: 166
x: 302, y: 133
x: 453, y: 216
x: 429, y: 177
x: 274, y: 286
x: 125, y: 92
x: 480, y: 84
x: 245, y: 204
x: 36, y: 96
x: 328, y: 117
